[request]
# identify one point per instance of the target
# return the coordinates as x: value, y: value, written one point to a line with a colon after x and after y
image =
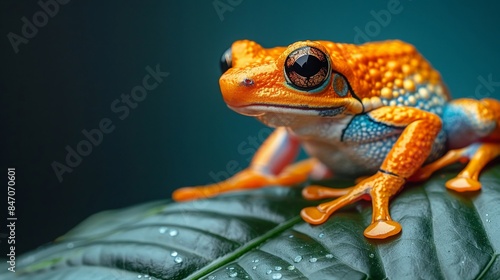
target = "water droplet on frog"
x: 487, y: 214
x: 269, y: 272
x: 290, y: 236
x: 70, y: 245
x: 321, y: 235
x: 211, y: 277
x: 174, y: 254
x: 297, y: 259
x: 255, y: 261
x: 371, y: 255
x: 139, y: 276
x: 277, y: 275
x: 163, y: 229
x: 290, y: 267
x: 233, y: 274
x: 173, y: 232
x: 254, y: 267
x: 278, y: 268
x: 329, y: 256
x: 313, y: 260
x: 177, y: 259
x: 488, y: 220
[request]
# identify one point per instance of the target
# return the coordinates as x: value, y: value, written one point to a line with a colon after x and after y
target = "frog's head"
x: 304, y: 79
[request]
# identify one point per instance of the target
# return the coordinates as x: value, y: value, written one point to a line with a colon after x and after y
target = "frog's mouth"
x: 259, y: 109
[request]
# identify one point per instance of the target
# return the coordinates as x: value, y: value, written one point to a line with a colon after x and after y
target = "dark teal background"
x: 65, y: 78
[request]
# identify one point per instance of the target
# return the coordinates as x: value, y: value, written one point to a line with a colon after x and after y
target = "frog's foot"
x: 249, y: 179
x: 479, y: 155
x: 246, y: 179
x: 380, y: 187
x: 467, y: 180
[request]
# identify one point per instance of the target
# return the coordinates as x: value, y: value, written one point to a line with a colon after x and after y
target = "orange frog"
x: 377, y: 111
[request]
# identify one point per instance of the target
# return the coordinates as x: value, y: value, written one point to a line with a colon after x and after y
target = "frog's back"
x: 390, y: 73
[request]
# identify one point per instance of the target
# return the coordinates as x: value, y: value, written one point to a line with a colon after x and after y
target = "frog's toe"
x: 463, y: 184
x: 315, y: 192
x: 314, y: 216
x: 382, y: 229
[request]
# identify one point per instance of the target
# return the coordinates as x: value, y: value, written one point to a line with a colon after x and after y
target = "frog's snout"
x: 226, y: 61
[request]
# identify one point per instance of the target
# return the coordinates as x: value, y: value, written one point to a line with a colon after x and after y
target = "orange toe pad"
x: 382, y: 229
x: 461, y: 184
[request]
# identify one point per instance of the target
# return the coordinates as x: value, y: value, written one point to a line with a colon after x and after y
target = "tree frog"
x: 378, y: 112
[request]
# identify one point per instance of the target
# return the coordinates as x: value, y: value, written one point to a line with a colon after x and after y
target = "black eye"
x: 226, y: 61
x: 307, y: 68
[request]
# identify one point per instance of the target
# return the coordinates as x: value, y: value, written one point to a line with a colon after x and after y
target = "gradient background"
x: 91, y: 52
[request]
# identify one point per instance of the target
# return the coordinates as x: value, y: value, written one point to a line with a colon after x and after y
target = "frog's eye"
x: 307, y: 68
x: 226, y: 61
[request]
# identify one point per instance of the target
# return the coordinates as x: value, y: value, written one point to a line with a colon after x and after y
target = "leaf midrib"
x: 252, y: 244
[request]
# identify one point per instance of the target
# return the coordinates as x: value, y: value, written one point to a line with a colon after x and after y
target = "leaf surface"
x: 259, y: 235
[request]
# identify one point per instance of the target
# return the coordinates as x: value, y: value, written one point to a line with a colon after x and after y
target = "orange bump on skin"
x: 386, y: 93
x: 409, y: 85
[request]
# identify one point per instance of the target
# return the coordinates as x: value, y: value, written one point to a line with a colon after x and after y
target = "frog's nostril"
x: 226, y: 61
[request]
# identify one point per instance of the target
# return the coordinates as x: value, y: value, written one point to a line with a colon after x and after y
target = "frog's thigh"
x: 474, y: 124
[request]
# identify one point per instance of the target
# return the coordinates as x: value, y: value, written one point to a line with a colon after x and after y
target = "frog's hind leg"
x: 481, y: 122
x: 271, y: 165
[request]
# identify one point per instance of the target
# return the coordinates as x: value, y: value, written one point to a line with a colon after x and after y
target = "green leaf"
x: 259, y: 235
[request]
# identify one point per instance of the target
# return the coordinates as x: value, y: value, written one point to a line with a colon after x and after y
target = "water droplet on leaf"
x: 163, y: 229
x: 277, y: 275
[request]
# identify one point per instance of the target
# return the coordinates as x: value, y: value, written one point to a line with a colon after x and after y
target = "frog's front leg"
x: 269, y: 166
x: 405, y: 157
